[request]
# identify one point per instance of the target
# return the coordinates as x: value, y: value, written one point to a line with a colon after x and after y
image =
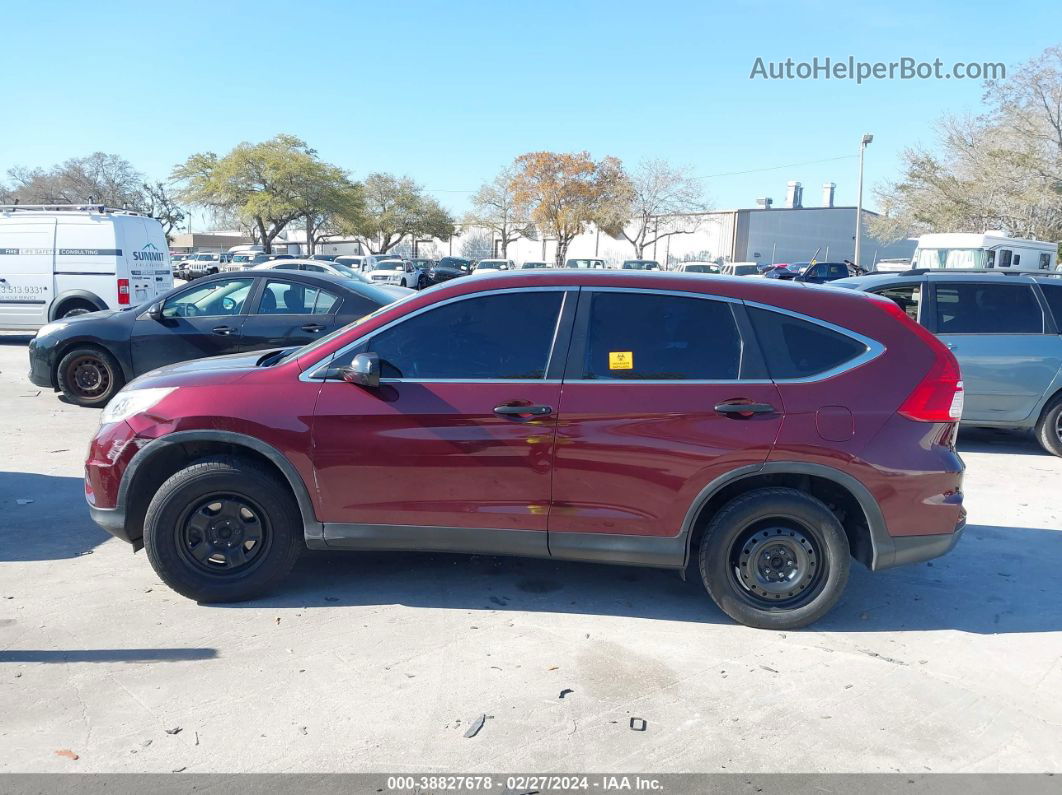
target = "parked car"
x: 494, y: 265
x: 1004, y: 328
x: 396, y: 271
x: 641, y: 265
x: 335, y: 268
x: 90, y: 357
x: 449, y: 268
x: 739, y: 269
x: 697, y: 267
x: 204, y: 262
x: 585, y: 263
x: 323, y: 257
x: 816, y: 272
x: 535, y: 263
x: 766, y: 433
x: 64, y: 261
x: 353, y: 261
x: 423, y: 267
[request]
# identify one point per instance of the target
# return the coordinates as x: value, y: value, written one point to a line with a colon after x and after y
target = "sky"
x: 449, y: 93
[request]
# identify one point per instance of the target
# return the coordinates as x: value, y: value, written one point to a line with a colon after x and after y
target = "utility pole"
x: 867, y: 138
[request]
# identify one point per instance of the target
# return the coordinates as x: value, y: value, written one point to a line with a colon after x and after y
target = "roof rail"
x: 989, y: 271
x: 70, y: 208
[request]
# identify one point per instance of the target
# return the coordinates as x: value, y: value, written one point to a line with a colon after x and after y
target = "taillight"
x: 123, y: 291
x: 939, y: 395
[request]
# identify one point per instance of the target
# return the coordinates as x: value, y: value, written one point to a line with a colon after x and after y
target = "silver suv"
x: 1004, y: 328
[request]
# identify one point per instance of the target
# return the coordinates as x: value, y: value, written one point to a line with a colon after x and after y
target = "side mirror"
x: 363, y: 371
x: 155, y: 311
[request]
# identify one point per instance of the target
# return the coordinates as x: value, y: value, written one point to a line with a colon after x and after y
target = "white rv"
x: 62, y: 260
x: 984, y: 251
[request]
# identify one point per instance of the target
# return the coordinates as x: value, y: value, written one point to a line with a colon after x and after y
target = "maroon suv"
x: 769, y: 431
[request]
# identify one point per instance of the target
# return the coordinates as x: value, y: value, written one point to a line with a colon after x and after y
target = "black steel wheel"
x: 774, y: 558
x: 223, y: 530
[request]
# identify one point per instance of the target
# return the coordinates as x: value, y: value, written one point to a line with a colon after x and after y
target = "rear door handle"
x: 509, y: 410
x: 224, y: 331
x: 313, y: 327
x: 745, y: 408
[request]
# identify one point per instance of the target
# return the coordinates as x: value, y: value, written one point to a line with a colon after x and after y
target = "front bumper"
x: 40, y: 361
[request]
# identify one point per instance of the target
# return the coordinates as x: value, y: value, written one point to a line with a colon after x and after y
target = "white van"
x: 986, y: 250
x: 62, y: 260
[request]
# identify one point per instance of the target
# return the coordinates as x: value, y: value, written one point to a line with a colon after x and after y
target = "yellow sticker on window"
x: 621, y: 360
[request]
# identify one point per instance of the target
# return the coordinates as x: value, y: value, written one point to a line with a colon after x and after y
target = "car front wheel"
x: 89, y: 377
x: 775, y: 558
x: 223, y: 530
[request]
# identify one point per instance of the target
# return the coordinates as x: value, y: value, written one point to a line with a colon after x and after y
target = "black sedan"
x: 815, y: 272
x: 449, y: 268
x: 90, y: 357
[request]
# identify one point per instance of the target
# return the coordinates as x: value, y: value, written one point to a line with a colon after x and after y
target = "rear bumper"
x: 918, y: 549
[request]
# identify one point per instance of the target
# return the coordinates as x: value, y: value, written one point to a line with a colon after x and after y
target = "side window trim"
x: 561, y: 336
x: 580, y: 334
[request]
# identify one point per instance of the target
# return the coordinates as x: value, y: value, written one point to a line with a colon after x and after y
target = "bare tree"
x: 494, y: 208
x: 663, y: 200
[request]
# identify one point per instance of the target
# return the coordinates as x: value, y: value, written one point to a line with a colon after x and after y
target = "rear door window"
x: 987, y: 309
x: 639, y: 336
x: 796, y: 348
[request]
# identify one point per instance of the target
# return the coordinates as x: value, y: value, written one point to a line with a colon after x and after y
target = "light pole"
x: 867, y: 138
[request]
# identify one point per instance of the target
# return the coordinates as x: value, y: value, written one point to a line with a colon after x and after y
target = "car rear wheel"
x: 223, y: 530
x: 74, y: 308
x: 89, y: 377
x: 1049, y: 428
x: 775, y: 558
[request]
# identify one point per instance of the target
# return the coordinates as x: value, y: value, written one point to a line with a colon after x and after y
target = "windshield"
x: 388, y: 265
x: 745, y: 270
x: 489, y: 265
x: 339, y: 331
x: 952, y: 258
x: 641, y: 265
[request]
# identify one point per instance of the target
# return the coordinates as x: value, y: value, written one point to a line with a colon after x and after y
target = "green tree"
x: 269, y: 184
x: 395, y: 207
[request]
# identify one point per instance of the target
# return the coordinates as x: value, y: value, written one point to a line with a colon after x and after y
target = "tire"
x: 223, y: 530
x: 803, y: 548
x: 75, y: 308
x: 89, y: 376
x: 1049, y: 428
x: 422, y: 282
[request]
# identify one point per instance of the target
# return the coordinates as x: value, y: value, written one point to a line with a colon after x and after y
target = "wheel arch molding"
x: 869, y: 538
x: 74, y: 295
x: 162, y: 457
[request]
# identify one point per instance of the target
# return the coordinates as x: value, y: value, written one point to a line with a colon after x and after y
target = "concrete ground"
x: 381, y: 662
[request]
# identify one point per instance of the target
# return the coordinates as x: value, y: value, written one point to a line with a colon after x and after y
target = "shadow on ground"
x: 55, y: 525
x: 106, y: 655
x: 999, y: 440
x: 997, y: 580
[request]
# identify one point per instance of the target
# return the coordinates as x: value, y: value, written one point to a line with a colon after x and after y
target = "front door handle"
x: 744, y: 408
x: 509, y: 410
x: 224, y: 331
x: 313, y: 327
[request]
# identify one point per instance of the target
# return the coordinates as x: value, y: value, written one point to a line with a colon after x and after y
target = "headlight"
x: 127, y: 403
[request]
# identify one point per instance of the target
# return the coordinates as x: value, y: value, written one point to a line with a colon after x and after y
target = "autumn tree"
x: 270, y: 184
x: 663, y: 200
x: 1001, y: 169
x: 494, y: 208
x: 395, y: 207
x: 564, y: 193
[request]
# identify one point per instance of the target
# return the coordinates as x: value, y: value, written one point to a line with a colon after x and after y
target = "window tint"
x: 907, y: 296
x: 640, y: 336
x: 838, y: 270
x: 1004, y: 258
x: 1053, y: 294
x: 797, y: 348
x: 501, y: 336
x: 289, y: 298
x: 988, y: 309
x: 218, y: 298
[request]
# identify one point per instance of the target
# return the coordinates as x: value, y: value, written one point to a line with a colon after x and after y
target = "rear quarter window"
x: 1053, y: 294
x: 795, y: 348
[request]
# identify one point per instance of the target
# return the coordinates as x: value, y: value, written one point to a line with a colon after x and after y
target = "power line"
x: 707, y: 176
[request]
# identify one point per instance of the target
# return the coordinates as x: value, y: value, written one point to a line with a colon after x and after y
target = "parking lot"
x: 368, y: 662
